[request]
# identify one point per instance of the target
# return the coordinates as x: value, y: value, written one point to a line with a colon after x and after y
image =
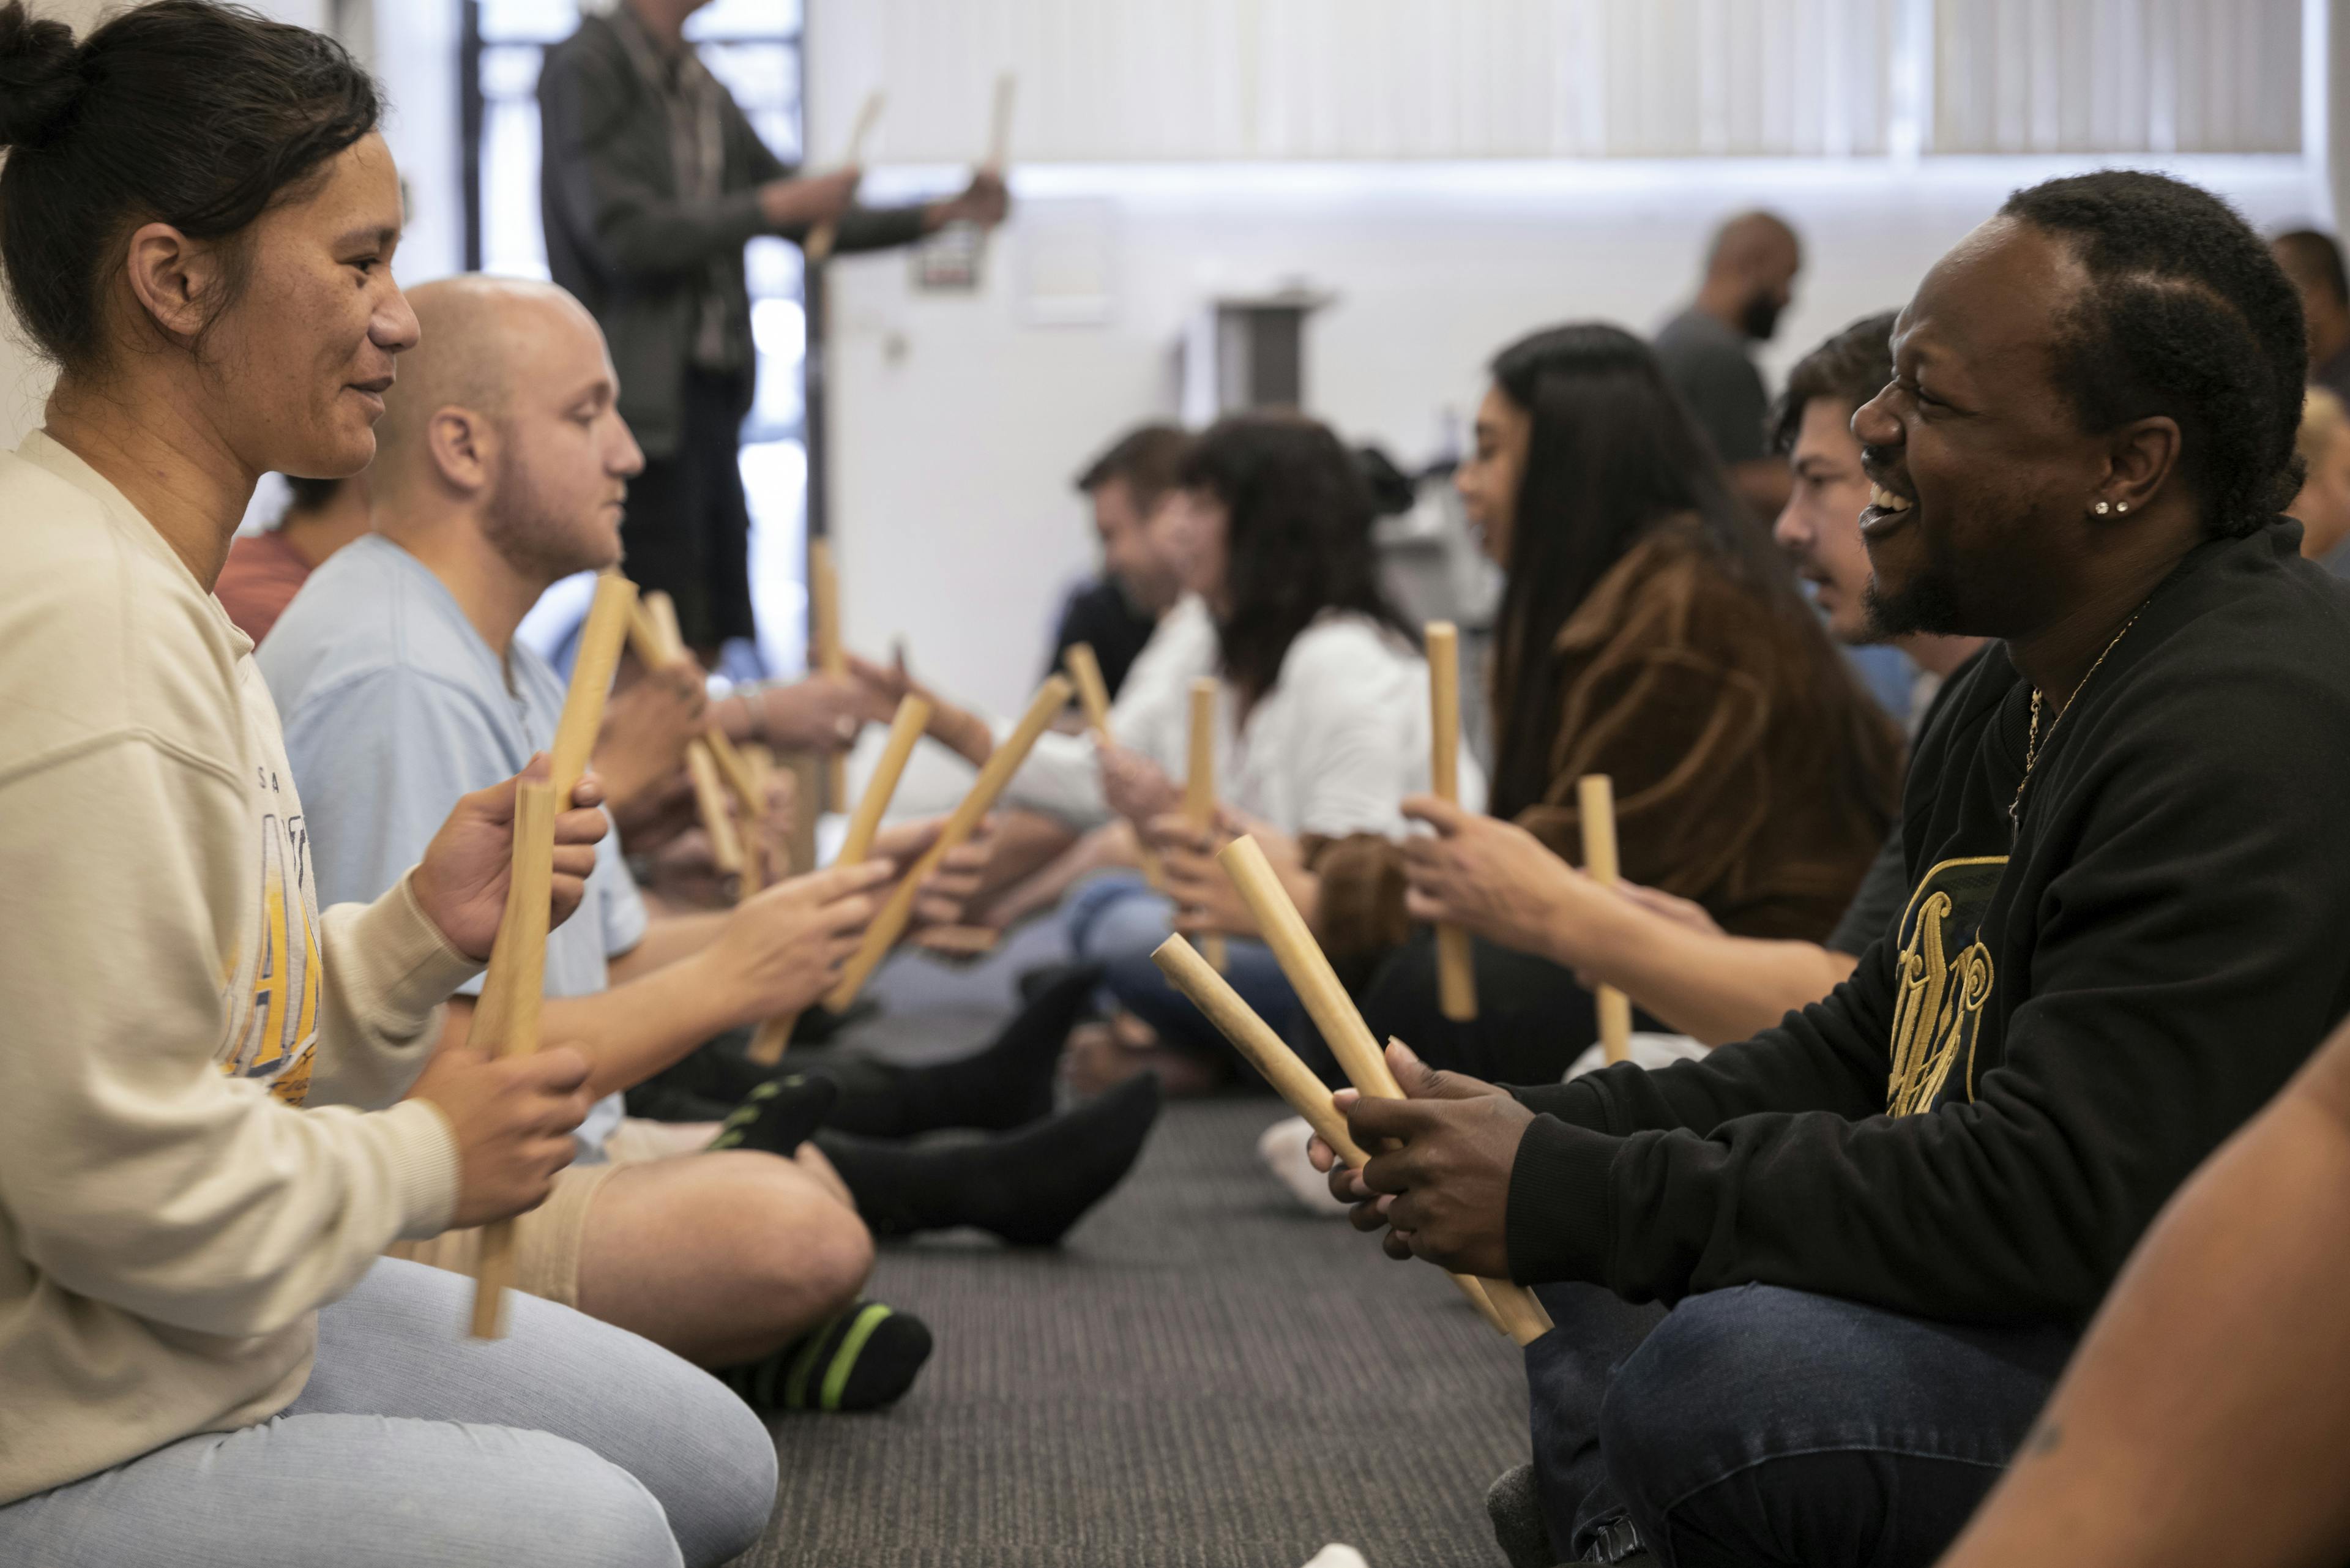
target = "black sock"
x: 859, y: 1360
x: 1028, y: 1186
x: 1006, y: 1085
x: 778, y: 1117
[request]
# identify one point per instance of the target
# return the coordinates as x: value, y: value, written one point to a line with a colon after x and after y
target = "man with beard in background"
x: 1749, y: 276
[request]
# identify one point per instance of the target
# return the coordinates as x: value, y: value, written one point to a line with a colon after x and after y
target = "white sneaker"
x: 1336, y: 1557
x: 1283, y: 1149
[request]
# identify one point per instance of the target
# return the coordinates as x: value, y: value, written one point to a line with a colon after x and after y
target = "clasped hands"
x: 1438, y: 1181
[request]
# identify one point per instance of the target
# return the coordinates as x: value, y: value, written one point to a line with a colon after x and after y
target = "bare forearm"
x: 2205, y: 1417
x: 632, y: 1031
x: 668, y: 938
x: 1096, y: 851
x: 1711, y: 987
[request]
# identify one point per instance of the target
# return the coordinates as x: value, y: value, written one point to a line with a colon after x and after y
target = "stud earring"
x: 2103, y: 508
x: 2121, y: 505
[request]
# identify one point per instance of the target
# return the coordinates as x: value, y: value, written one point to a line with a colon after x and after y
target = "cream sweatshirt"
x: 170, y: 1222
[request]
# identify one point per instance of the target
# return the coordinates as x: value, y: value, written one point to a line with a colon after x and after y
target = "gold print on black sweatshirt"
x: 1941, y: 980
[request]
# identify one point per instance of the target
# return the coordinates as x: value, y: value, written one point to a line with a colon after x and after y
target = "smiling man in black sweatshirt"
x: 1880, y: 1226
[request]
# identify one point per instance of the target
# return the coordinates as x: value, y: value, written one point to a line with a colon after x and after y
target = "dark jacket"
x: 619, y: 236
x: 1980, y: 1123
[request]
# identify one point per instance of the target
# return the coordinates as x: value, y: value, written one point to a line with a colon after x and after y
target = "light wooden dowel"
x: 1093, y: 692
x: 1001, y: 763
x: 660, y: 645
x: 1292, y: 1079
x: 600, y: 635
x: 905, y: 732
x: 1595, y: 800
x: 1344, y: 1031
x: 999, y: 130
x: 816, y: 249
x: 831, y: 655
x: 1200, y: 790
x: 505, y: 1021
x: 1456, y: 972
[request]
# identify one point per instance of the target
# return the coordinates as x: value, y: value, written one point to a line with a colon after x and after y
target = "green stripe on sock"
x: 844, y: 1360
x: 803, y: 1364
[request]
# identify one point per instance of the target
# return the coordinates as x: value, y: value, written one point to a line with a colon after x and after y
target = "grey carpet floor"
x: 1203, y: 1376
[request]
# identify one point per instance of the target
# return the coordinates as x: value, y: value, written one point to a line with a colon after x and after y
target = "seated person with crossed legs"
x: 1880, y: 1226
x: 502, y: 465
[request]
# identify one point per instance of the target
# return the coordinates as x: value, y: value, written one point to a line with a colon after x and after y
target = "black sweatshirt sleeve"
x: 2187, y: 955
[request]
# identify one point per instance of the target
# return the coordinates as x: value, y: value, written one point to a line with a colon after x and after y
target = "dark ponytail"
x: 182, y: 112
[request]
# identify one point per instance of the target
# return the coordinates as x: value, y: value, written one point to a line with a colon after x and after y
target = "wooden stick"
x: 999, y: 130
x: 660, y: 645
x: 1267, y: 1051
x: 1595, y: 798
x: 1349, y: 1039
x: 1456, y: 971
x: 1001, y: 763
x: 1200, y: 790
x: 1292, y: 1079
x: 1093, y: 692
x: 817, y: 248
x: 905, y: 730
x: 831, y: 657
x: 600, y: 635
x: 506, y: 1018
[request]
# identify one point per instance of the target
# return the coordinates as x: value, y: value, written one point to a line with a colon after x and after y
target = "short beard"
x: 1930, y: 603
x: 539, y: 547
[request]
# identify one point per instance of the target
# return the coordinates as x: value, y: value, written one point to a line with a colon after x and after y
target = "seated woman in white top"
x: 1322, y: 712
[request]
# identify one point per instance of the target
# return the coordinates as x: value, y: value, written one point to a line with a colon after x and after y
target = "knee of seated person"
x: 812, y: 1252
x: 1692, y: 1391
x: 602, y: 1516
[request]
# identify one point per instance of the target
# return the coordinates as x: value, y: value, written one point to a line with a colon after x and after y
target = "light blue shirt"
x: 393, y: 707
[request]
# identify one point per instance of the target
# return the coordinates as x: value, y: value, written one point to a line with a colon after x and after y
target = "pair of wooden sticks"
x: 826, y: 234
x: 711, y: 760
x: 506, y: 1020
x: 1456, y: 978
x: 1510, y: 1307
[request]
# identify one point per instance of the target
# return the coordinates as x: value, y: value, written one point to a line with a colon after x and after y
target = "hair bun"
x: 40, y: 76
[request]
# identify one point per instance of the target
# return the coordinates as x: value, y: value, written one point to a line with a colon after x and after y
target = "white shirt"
x: 1332, y: 748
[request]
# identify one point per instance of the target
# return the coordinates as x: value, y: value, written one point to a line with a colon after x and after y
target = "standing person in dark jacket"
x: 653, y: 181
x: 1881, y: 1225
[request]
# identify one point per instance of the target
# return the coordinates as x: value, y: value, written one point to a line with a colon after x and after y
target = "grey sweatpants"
x: 568, y: 1443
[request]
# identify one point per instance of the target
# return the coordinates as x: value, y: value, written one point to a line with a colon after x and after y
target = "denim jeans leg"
x: 1567, y: 1374
x: 1767, y: 1426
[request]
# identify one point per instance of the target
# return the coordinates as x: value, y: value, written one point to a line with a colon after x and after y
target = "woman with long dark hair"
x: 205, y: 1358
x: 1649, y: 631
x: 1321, y: 726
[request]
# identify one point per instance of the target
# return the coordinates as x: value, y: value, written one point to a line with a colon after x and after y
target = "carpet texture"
x: 1204, y: 1376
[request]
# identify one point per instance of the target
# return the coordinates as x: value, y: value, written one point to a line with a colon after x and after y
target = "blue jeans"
x: 567, y: 1444
x: 1115, y: 921
x: 1761, y: 1426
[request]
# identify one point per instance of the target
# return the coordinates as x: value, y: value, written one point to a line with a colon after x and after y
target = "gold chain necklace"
x: 2032, y: 741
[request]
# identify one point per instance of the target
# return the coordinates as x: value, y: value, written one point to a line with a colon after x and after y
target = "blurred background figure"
x: 1708, y: 349
x: 2313, y: 261
x: 653, y: 181
x: 266, y: 570
x: 2324, y: 503
x: 1117, y: 612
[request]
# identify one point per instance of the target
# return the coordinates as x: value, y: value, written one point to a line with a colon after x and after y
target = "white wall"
x: 956, y: 428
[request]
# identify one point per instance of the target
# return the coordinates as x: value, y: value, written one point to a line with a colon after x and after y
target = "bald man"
x: 501, y: 464
x: 1750, y: 278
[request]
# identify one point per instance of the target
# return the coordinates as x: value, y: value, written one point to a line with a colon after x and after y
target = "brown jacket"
x: 1752, y: 774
